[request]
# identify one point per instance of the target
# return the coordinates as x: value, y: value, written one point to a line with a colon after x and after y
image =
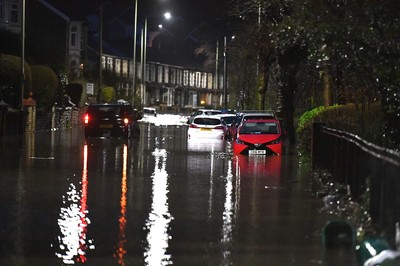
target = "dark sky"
x: 192, y: 11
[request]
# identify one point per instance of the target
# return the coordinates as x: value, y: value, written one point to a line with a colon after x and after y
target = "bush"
x: 44, y: 86
x: 364, y: 122
x: 10, y: 79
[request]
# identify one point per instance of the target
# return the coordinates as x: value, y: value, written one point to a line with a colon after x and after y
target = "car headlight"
x: 238, y: 141
x: 277, y: 141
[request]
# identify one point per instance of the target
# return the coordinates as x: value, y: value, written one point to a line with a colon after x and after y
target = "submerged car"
x: 246, y: 115
x: 259, y: 137
x: 149, y: 111
x: 203, y: 112
x: 207, y: 126
x: 111, y: 121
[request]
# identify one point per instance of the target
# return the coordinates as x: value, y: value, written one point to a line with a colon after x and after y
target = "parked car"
x: 207, y: 126
x: 246, y: 115
x: 149, y: 111
x: 259, y: 137
x: 228, y: 120
x: 203, y: 112
x: 111, y: 121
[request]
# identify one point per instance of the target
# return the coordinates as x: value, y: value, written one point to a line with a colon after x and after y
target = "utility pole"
x: 216, y: 74
x: 21, y: 100
x: 134, y: 54
x: 225, y: 76
x: 100, y: 53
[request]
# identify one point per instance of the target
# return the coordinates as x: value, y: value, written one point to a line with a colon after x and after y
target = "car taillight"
x: 193, y: 126
x: 86, y: 119
x: 126, y: 121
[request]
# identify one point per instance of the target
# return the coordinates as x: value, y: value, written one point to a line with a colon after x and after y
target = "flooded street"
x: 156, y: 200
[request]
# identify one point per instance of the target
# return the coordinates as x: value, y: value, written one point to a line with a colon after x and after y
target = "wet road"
x: 157, y: 200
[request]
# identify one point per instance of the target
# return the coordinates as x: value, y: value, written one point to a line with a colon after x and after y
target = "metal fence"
x: 363, y: 166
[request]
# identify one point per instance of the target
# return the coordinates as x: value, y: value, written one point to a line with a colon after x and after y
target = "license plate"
x: 205, y: 129
x: 256, y: 152
x: 106, y: 125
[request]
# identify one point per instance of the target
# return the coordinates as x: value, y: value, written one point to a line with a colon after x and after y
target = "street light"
x: 134, y: 54
x: 225, y: 82
x: 167, y: 16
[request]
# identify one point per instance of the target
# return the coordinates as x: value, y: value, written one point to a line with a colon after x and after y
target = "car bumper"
x: 272, y: 149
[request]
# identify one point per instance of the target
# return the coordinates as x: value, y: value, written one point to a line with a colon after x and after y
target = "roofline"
x: 55, y: 10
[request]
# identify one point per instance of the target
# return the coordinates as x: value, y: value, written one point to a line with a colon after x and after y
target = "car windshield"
x: 259, y: 128
x: 212, y: 112
x: 108, y: 111
x: 149, y: 111
x: 228, y: 119
x: 207, y: 121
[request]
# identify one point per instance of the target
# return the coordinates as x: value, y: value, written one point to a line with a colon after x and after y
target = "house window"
x: 73, y: 36
x: 14, y: 13
x: 160, y: 74
x: 192, y: 79
x: 166, y: 74
x: 110, y: 64
x: 198, y: 79
x: 185, y: 77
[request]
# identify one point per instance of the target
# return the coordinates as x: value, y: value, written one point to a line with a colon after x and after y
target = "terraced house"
x: 96, y: 43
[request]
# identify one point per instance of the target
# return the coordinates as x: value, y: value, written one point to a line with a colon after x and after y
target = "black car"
x: 111, y: 121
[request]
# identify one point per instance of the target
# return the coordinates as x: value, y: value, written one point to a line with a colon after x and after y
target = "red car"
x: 259, y: 137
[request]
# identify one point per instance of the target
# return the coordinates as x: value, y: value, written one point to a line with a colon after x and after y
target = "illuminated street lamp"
x: 167, y: 16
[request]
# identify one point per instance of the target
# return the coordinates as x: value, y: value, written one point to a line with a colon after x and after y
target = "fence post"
x: 316, y: 145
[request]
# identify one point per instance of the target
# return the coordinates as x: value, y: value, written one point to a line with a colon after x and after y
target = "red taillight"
x: 219, y: 127
x: 126, y: 121
x: 193, y: 126
x: 86, y: 119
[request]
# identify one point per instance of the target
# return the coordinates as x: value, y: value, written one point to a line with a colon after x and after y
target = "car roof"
x: 208, y: 116
x: 108, y: 104
x: 260, y: 120
x: 247, y: 115
x: 225, y: 115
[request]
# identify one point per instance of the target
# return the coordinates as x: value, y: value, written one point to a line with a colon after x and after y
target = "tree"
x: 44, y: 86
x: 107, y: 94
x: 10, y: 79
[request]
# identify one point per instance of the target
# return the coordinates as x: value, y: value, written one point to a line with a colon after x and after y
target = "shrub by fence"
x: 363, y: 166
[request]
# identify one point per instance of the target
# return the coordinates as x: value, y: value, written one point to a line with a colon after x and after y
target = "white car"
x: 203, y: 112
x: 149, y: 111
x: 207, y: 126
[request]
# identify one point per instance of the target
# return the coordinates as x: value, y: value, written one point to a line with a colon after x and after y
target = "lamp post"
x: 22, y: 55
x: 134, y: 54
x: 167, y: 15
x: 143, y: 62
x: 225, y: 81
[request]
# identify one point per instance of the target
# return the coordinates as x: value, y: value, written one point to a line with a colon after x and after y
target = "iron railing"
x: 364, y: 167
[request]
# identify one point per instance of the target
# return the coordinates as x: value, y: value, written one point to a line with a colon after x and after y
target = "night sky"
x: 192, y: 11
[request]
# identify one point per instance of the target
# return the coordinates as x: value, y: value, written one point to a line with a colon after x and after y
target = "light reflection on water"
x: 159, y: 218
x: 227, y: 217
x: 73, y: 221
x: 121, y: 250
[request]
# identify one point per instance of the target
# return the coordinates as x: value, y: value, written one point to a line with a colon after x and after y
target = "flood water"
x: 156, y: 200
